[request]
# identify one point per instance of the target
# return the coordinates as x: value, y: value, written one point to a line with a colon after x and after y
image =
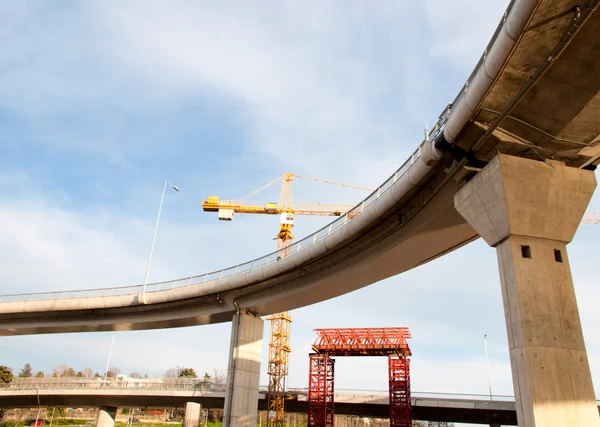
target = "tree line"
x: 7, y: 375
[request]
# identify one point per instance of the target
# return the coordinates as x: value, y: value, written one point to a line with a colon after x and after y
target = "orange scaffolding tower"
x: 390, y: 342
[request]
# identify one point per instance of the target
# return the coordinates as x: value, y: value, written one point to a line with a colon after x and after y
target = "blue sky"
x: 100, y: 101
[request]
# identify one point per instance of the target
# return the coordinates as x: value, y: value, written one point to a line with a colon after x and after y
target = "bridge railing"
x: 227, y: 272
x: 250, y: 265
x: 166, y: 384
x: 274, y: 256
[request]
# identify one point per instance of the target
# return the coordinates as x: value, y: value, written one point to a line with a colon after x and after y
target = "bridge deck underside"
x: 558, y: 117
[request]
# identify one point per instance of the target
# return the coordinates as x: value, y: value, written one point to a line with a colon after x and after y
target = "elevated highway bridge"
x: 534, y: 94
x: 510, y: 159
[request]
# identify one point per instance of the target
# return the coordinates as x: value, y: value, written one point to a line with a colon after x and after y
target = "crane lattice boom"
x: 287, y: 211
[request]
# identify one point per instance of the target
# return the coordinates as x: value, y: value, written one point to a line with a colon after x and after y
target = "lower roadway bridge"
x: 170, y: 393
x: 426, y: 406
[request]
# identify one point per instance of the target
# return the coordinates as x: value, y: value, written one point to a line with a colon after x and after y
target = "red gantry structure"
x: 390, y: 342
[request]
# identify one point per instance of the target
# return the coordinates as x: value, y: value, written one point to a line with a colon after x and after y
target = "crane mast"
x: 286, y: 221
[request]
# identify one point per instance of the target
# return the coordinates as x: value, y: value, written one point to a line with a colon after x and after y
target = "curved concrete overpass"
x: 535, y: 93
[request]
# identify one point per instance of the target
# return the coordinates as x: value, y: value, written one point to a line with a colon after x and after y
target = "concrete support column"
x: 106, y: 416
x: 192, y: 414
x: 529, y: 210
x: 243, y: 373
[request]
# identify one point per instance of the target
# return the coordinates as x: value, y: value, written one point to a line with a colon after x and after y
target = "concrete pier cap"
x: 512, y: 195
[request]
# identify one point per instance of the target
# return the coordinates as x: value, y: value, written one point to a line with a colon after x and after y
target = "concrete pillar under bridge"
x: 243, y: 373
x: 529, y: 210
x: 106, y: 416
x: 192, y: 414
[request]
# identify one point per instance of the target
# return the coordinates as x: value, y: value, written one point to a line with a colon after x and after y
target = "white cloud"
x: 302, y: 89
x: 337, y: 89
x: 326, y: 84
x: 48, y: 248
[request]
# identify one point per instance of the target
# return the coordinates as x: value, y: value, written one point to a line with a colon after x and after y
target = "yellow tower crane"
x: 287, y: 211
x: 279, y: 344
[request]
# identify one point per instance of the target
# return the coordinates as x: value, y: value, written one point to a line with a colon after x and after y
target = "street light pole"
x: 112, y: 341
x: 162, y: 197
x: 487, y: 359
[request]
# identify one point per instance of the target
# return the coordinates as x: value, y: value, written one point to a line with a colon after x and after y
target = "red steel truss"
x: 320, y: 391
x: 390, y: 342
x: 362, y: 341
x: 400, y: 407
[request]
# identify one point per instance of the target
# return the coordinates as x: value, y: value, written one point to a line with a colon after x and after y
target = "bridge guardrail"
x: 244, y: 267
x: 181, y: 384
x: 274, y: 256
x: 227, y: 272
